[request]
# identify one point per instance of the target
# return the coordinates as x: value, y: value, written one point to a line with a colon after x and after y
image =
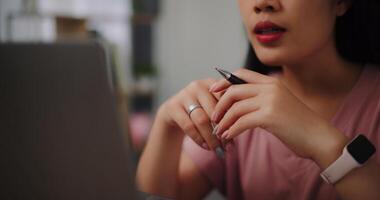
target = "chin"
x: 277, y: 56
x: 271, y: 56
x: 272, y: 59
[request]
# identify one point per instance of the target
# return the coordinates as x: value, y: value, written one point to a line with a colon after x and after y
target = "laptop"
x: 60, y: 136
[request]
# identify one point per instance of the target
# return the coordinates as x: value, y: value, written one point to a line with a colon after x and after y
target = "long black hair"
x: 357, y: 36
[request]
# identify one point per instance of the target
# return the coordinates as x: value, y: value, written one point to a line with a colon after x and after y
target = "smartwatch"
x: 354, y: 155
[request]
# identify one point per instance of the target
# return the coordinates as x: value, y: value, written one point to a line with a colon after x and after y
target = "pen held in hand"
x: 235, y: 81
x: 230, y: 77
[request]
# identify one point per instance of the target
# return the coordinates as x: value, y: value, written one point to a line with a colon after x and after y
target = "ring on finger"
x: 193, y: 107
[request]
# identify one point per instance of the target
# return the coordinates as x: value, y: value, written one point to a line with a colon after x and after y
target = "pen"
x: 233, y: 80
x: 230, y: 77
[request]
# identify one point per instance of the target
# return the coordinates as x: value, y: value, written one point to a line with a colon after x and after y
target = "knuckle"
x: 210, y: 80
x: 172, y: 102
x: 168, y: 105
x: 202, y: 120
x: 183, y: 94
x: 233, y: 88
x: 195, y: 84
x: 235, y: 107
x: 230, y: 91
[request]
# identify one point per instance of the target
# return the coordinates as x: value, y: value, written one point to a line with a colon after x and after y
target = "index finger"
x: 247, y: 75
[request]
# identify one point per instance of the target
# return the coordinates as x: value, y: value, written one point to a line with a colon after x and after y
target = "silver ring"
x: 193, y: 107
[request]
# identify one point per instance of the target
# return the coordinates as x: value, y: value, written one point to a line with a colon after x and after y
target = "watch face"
x: 361, y: 149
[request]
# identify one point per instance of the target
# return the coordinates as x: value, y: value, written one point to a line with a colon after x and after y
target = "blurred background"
x: 154, y: 47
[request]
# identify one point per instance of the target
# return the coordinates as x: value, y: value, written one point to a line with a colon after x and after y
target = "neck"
x: 323, y: 75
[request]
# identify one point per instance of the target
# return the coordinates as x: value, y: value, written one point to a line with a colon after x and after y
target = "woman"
x: 287, y: 126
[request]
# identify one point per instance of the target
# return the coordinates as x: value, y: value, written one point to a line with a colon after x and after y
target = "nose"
x: 267, y: 6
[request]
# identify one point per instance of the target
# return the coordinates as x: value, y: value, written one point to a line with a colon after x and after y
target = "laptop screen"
x: 59, y: 128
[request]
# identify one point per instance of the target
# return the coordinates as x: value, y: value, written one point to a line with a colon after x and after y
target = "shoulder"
x: 364, y: 105
x: 369, y: 85
x: 372, y: 72
x: 360, y: 112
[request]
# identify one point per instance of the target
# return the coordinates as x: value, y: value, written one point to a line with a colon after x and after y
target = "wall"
x: 108, y: 17
x: 192, y: 36
x: 6, y: 7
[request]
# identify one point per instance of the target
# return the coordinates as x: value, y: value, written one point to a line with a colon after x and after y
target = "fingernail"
x: 213, y: 125
x: 212, y: 88
x: 225, y: 134
x: 219, y: 152
x: 215, y: 130
x: 214, y: 117
x: 205, y: 146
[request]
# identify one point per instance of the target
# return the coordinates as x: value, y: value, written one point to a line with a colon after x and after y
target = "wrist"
x: 354, y: 155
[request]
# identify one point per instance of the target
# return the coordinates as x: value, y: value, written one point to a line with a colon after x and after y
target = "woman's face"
x: 285, y: 32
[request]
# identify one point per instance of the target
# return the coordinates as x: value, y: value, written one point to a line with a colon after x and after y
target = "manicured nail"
x: 225, y: 134
x: 212, y: 88
x: 219, y: 152
x: 215, y: 130
x: 228, y: 137
x: 214, y: 116
x: 205, y: 146
x: 218, y: 132
x: 213, y: 125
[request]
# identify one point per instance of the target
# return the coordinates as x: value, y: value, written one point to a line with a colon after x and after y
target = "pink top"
x: 261, y: 167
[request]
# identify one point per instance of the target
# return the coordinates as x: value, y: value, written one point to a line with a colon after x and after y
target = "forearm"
x: 157, y: 171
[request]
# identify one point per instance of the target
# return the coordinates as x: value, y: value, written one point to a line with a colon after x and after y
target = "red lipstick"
x: 268, y: 32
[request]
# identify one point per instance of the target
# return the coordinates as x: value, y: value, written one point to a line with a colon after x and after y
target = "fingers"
x: 197, y: 93
x: 220, y: 85
x: 237, y: 102
x: 245, y: 122
x: 203, y: 125
x: 207, y: 101
x: 186, y: 124
x: 245, y: 74
x: 236, y: 111
x: 233, y: 94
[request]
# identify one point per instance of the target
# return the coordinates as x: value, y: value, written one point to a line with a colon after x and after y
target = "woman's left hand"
x: 266, y: 102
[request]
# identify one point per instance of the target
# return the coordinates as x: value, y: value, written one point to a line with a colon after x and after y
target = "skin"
x: 314, y: 82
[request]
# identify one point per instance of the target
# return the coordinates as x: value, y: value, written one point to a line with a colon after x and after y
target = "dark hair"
x: 357, y: 35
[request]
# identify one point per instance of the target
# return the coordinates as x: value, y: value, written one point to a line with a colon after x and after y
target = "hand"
x: 173, y: 113
x: 266, y: 103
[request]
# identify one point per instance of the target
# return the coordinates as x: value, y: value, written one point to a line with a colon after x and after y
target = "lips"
x: 268, y: 32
